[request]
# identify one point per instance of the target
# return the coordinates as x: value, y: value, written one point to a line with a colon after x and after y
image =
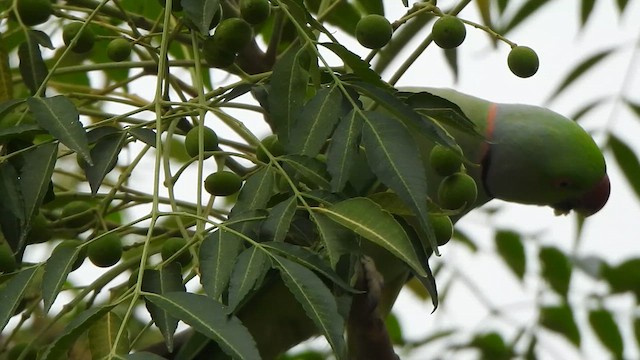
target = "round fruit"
x: 255, y: 11
x: 273, y: 145
x: 119, y: 49
x: 456, y: 191
x: 448, y: 32
x: 85, y: 41
x: 523, y: 61
x: 172, y: 246
x: 34, y: 12
x: 444, y: 160
x: 217, y: 56
x: 233, y: 34
x: 74, y: 244
x: 176, y: 5
x: 222, y: 183
x: 18, y: 349
x: 77, y: 214
x: 105, y: 251
x: 192, y: 145
x: 442, y: 228
x: 40, y: 230
x: 373, y: 31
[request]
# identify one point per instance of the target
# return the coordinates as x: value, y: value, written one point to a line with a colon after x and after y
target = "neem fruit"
x: 523, y: 61
x: 255, y: 11
x: 106, y: 251
x: 373, y: 31
x: 442, y: 228
x: 444, y: 160
x: 34, y: 12
x: 448, y: 32
x: 119, y: 49
x: 172, y: 246
x: 77, y: 214
x: 85, y: 41
x: 273, y: 145
x: 216, y: 55
x: 456, y: 191
x: 191, y: 143
x: 233, y: 34
x: 222, y: 183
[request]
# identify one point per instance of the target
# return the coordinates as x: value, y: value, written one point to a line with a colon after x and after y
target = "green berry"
x: 373, y: 31
x: 40, y: 230
x: 273, y: 146
x: 448, y: 32
x: 119, y: 49
x: 106, y: 251
x: 216, y: 55
x: 191, y: 143
x: 444, y: 160
x: 34, y: 12
x: 523, y: 61
x: 442, y: 228
x: 457, y: 191
x: 85, y: 41
x: 77, y: 214
x: 255, y: 11
x: 222, y: 183
x: 233, y: 34
x: 74, y: 244
x: 172, y: 246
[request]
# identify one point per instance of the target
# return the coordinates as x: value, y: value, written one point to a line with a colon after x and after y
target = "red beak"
x: 595, y: 199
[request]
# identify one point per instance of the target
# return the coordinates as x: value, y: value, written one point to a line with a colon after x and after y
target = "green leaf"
x: 585, y: 10
x: 310, y: 260
x: 393, y: 156
x: 367, y: 219
x: 317, y: 301
x: 287, y: 93
x: 443, y: 111
x: 12, y: 293
x: 12, y: 199
x: 210, y: 318
x: 256, y: 192
x: 560, y: 319
x: 32, y: 67
x: 247, y: 274
x: 523, y: 13
x: 166, y: 280
x: 492, y: 346
x: 310, y: 170
x: 17, y: 130
x: 624, y: 277
x: 627, y: 160
x: 401, y: 38
x: 511, y: 250
x: 336, y: 238
x: 102, y: 336
x: 355, y: 63
x: 343, y: 148
x: 56, y: 270
x: 582, y: 111
x: 622, y: 5
x: 276, y: 226
x: 78, y: 326
x: 105, y: 156
x: 59, y: 116
x: 145, y: 135
x: 451, y: 55
x: 142, y: 355
x: 315, y: 122
x: 556, y: 269
x: 344, y: 15
x: 217, y: 256
x: 371, y: 6
x: 604, y: 326
x: 580, y: 70
x: 200, y: 13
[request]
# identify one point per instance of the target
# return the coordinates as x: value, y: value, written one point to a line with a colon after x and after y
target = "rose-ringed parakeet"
x: 522, y: 154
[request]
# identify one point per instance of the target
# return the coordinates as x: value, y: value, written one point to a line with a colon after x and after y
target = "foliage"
x: 74, y: 129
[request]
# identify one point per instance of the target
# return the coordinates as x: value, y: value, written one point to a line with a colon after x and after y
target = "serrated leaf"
x: 210, y: 318
x: 315, y: 122
x: 556, y: 269
x: 343, y: 148
x: 343, y: 15
x: 354, y: 62
x: 102, y: 336
x: 73, y: 330
x: 200, y: 13
x: 309, y: 170
x: 12, y: 293
x: 443, y: 111
x: 217, y: 256
x: 560, y: 319
x: 580, y: 70
x: 451, y: 56
x: 32, y: 67
x: 624, y: 277
x: 6, y: 84
x: 391, y: 154
x: 11, y: 191
x: 317, y: 301
x: 56, y: 270
x: 429, y: 283
x: 145, y: 135
x: 310, y: 260
x: 627, y: 160
x: 287, y: 93
x: 336, y: 238
x: 511, y: 250
x: 256, y: 192
x: 523, y: 13
x: 248, y: 272
x: 367, y: 219
x: 276, y: 226
x: 59, y: 116
x: 191, y: 348
x: 17, y: 130
x: 166, y: 280
x: 105, y: 156
x: 604, y: 326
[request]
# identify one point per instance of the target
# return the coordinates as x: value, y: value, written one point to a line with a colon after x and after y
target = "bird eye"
x: 563, y: 183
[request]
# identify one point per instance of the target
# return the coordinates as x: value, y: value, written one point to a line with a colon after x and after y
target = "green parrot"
x: 526, y: 154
